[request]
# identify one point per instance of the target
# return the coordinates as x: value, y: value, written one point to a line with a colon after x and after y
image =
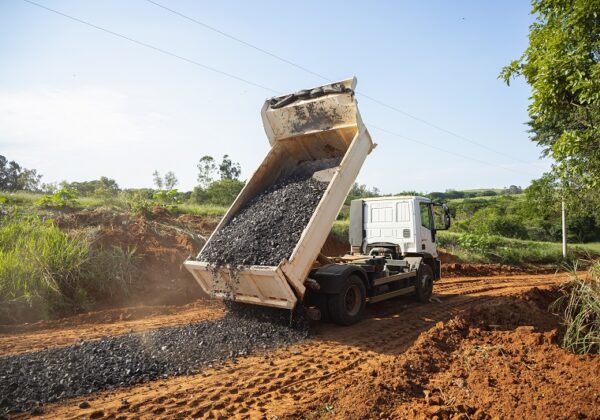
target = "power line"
x: 307, y: 70
x: 152, y: 47
x: 241, y: 41
x: 383, y: 130
x: 248, y: 81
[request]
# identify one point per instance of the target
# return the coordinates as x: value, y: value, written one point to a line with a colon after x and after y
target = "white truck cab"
x: 404, y: 224
x: 393, y: 253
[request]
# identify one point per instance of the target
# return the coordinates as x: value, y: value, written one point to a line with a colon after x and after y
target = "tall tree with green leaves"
x: 170, y: 180
x: 229, y: 169
x: 206, y: 170
x: 562, y: 66
x: 157, y: 179
x: 14, y: 177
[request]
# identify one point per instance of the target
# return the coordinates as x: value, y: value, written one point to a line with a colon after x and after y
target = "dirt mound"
x: 447, y: 258
x: 500, y: 359
x: 161, y: 242
x: 484, y: 270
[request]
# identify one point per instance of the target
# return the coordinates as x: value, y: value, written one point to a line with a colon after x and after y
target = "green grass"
x: 19, y: 198
x: 120, y: 202
x: 340, y: 228
x: 498, y: 249
x: 202, y: 209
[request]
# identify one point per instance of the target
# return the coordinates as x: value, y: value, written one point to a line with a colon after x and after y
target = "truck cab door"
x: 426, y: 229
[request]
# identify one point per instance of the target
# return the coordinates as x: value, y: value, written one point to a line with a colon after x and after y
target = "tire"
x: 424, y: 286
x: 348, y: 306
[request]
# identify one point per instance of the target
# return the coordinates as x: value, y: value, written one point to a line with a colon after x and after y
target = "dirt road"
x: 403, y: 360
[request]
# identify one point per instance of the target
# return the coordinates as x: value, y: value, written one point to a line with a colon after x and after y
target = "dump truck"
x: 392, y: 239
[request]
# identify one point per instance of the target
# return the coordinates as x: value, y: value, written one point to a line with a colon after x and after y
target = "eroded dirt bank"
x: 487, y: 348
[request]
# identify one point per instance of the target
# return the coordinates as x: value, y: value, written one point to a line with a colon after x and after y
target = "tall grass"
x: 138, y: 203
x: 46, y: 272
x: 340, y: 229
x: 202, y: 209
x: 579, y: 306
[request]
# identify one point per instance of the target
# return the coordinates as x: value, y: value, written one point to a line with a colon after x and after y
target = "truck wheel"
x: 347, y: 307
x: 424, y: 284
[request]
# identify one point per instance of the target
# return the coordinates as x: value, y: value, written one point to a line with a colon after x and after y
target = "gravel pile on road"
x: 266, y: 230
x: 55, y: 374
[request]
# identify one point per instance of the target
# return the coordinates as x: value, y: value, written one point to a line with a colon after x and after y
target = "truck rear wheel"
x: 348, y: 306
x: 424, y: 286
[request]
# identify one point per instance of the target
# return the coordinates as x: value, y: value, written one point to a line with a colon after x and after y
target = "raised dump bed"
x: 311, y: 125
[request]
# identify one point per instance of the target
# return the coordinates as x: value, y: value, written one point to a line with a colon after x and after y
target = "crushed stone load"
x: 28, y: 379
x: 267, y: 229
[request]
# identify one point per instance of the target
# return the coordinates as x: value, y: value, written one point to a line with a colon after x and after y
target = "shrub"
x: 579, y: 306
x: 169, y: 199
x: 64, y: 197
x: 139, y: 203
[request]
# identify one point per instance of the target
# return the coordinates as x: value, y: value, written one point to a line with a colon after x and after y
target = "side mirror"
x: 443, y: 217
x: 447, y: 220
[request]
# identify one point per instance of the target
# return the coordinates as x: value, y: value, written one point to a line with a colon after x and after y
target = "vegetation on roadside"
x: 46, y: 272
x: 486, y: 248
x: 579, y: 307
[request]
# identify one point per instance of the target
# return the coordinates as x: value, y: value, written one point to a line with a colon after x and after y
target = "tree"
x: 513, y: 189
x: 13, y: 177
x: 229, y: 169
x: 157, y: 179
x: 542, y: 207
x: 562, y: 65
x: 106, y: 187
x: 170, y: 180
x: 206, y: 171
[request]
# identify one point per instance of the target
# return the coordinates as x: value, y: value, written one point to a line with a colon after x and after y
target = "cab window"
x: 425, y: 215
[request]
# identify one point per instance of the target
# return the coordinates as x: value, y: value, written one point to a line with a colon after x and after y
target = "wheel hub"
x: 352, y: 301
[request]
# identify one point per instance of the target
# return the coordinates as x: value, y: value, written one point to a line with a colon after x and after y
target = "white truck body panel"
x: 397, y: 220
x: 310, y: 129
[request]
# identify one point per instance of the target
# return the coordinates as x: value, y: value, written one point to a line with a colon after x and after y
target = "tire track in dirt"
x: 55, y: 336
x: 288, y: 378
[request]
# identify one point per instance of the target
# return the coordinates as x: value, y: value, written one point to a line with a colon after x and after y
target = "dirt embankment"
x: 161, y: 242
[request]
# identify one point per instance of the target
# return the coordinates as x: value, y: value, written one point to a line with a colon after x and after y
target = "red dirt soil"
x: 486, y: 347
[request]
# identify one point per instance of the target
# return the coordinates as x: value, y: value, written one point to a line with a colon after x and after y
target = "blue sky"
x: 77, y: 103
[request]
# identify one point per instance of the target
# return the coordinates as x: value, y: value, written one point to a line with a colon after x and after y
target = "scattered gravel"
x: 28, y: 379
x: 267, y: 229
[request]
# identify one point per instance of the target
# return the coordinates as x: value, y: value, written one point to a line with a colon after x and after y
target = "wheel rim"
x: 426, y: 283
x: 352, y: 301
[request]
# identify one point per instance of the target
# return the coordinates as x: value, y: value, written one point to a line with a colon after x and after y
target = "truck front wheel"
x: 424, y: 286
x: 348, y: 306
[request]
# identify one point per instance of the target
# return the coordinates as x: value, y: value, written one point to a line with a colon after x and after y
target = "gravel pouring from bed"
x: 56, y: 374
x: 267, y: 229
